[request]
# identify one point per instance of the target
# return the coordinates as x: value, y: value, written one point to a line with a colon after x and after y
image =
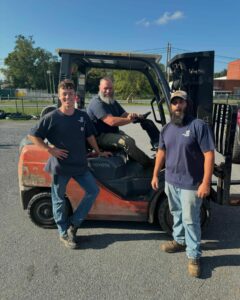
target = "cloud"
x: 168, y: 17
x: 143, y: 22
x: 164, y: 19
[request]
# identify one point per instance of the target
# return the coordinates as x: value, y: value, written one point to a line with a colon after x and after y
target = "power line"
x: 153, y: 49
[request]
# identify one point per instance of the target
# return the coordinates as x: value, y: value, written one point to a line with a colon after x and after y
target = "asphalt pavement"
x: 116, y: 260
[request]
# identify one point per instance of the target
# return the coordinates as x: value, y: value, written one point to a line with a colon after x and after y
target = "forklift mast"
x: 193, y: 73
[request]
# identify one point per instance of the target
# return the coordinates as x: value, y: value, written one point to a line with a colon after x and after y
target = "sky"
x: 125, y: 25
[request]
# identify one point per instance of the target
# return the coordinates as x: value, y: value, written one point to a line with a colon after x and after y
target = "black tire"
x: 2, y: 114
x: 40, y: 210
x: 236, y: 147
x: 47, y: 110
x: 165, y: 218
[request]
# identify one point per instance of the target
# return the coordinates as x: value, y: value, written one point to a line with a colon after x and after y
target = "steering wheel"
x: 144, y: 116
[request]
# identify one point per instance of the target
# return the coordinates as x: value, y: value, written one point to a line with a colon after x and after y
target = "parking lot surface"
x: 116, y: 260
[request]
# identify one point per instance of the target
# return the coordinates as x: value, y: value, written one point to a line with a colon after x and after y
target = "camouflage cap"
x: 179, y: 94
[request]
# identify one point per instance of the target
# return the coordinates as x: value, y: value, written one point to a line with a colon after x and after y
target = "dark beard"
x: 178, y: 120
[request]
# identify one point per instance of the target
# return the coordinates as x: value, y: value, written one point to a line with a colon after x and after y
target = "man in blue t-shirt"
x: 186, y: 147
x: 107, y: 115
x: 67, y: 130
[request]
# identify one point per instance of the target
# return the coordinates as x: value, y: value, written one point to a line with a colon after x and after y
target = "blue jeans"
x: 60, y: 213
x: 185, y: 207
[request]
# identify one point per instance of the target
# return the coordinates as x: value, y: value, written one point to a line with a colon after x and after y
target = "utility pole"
x: 53, y: 83
x: 168, y: 59
x: 50, y: 83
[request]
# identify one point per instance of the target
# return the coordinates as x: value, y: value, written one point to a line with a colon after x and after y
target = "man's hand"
x: 105, y: 154
x: 203, y: 190
x: 58, y: 153
x: 159, y: 162
x: 154, y: 183
x: 133, y: 116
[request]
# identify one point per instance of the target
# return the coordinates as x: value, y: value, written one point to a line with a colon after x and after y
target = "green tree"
x: 27, y: 66
x: 221, y: 73
x: 93, y: 78
x: 131, y: 84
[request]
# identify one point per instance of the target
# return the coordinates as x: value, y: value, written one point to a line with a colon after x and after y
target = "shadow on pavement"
x: 211, y: 263
x: 121, y: 225
x: 5, y: 146
x: 220, y: 245
x: 101, y: 241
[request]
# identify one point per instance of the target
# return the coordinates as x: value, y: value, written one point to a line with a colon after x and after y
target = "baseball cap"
x: 179, y: 94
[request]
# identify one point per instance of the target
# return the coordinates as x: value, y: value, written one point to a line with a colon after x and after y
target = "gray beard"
x: 108, y: 100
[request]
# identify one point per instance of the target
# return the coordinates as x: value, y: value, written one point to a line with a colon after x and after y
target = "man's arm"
x: 124, y: 119
x: 205, y: 186
x: 59, y: 153
x: 116, y: 121
x: 160, y: 160
x: 92, y: 141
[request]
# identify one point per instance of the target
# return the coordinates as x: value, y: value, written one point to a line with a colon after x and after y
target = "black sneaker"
x: 68, y: 242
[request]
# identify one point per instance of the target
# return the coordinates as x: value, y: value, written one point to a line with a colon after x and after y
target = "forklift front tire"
x: 165, y: 218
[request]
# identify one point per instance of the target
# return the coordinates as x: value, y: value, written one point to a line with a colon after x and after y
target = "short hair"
x: 106, y: 79
x: 66, y: 84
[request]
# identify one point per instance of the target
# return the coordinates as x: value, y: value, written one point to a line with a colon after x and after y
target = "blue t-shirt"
x: 69, y: 133
x: 184, y: 148
x: 97, y: 109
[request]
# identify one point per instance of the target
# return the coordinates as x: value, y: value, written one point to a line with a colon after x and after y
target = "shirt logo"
x: 187, y: 133
x: 81, y: 120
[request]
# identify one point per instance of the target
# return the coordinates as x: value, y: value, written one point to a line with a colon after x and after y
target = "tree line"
x: 32, y: 67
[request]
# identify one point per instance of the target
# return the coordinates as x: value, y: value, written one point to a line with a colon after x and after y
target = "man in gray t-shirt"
x: 186, y: 147
x: 67, y: 130
x: 107, y: 115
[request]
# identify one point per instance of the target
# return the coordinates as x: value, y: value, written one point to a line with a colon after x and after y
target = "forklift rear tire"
x: 40, y: 210
x: 165, y: 218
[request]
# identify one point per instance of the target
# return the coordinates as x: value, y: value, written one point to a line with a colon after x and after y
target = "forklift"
x: 125, y: 186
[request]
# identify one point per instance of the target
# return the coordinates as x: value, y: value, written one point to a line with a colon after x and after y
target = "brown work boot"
x: 172, y: 247
x: 72, y: 233
x: 68, y: 242
x: 194, y: 268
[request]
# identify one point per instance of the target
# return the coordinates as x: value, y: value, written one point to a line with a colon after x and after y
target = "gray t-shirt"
x: 97, y: 109
x: 184, y: 148
x: 69, y: 133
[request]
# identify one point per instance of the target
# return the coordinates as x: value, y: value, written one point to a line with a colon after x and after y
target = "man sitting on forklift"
x: 107, y: 115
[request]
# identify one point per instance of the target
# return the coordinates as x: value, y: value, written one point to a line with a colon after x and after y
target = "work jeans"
x: 123, y: 141
x: 185, y: 207
x: 60, y: 211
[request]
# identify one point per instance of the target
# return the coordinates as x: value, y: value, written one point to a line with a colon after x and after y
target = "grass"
x: 29, y: 107
x: 27, y: 110
x: 34, y: 107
